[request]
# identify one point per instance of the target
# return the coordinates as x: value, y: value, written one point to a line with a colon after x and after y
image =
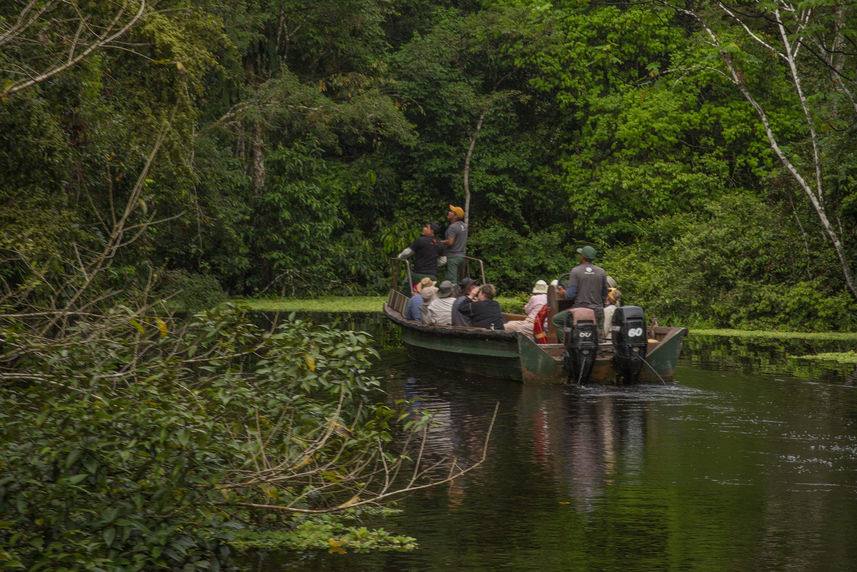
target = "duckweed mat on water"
x: 374, y: 303
x: 839, y: 357
x: 342, y: 304
x: 772, y: 334
x: 320, y: 304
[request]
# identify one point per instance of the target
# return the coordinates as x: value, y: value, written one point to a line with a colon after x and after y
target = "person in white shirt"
x: 532, y: 308
x: 440, y: 309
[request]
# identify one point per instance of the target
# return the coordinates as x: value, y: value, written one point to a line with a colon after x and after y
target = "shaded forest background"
x: 285, y: 147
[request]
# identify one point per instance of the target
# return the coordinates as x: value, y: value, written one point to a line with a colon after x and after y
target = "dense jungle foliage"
x: 304, y: 143
x: 140, y: 443
x: 184, y: 151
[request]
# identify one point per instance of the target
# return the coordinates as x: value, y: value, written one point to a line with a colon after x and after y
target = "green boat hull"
x: 514, y: 356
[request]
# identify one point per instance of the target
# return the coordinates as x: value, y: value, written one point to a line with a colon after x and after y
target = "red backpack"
x: 539, y: 326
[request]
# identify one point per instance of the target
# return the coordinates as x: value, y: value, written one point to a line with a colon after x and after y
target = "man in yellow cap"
x: 455, y: 243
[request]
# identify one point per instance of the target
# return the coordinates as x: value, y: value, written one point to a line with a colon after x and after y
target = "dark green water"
x: 747, y: 462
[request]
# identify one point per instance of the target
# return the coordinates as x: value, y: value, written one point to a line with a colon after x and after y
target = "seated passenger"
x: 610, y: 304
x: 561, y: 287
x: 440, y: 309
x: 485, y: 311
x: 412, y: 312
x: 429, y: 293
x: 532, y: 308
x: 469, y: 291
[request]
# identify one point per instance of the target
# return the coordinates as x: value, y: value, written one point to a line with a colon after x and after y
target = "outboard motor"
x: 581, y: 343
x: 629, y: 342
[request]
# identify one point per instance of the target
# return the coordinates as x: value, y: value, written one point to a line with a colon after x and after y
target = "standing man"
x: 587, y: 286
x: 455, y: 243
x: 426, y: 250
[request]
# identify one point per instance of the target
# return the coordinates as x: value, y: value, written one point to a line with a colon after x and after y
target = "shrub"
x: 739, y: 265
x: 137, y: 442
x: 190, y: 292
x: 514, y: 262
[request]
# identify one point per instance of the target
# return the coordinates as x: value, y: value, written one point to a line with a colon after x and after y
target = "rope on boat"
x: 653, y: 370
x: 580, y: 376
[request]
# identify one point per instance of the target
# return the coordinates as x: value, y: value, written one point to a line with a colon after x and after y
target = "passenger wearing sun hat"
x: 440, y: 309
x: 429, y: 293
x: 531, y: 309
x: 412, y: 312
x: 540, y: 287
x: 456, y: 244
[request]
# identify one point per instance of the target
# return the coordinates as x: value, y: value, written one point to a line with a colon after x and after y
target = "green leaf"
x: 109, y: 535
x: 75, y: 479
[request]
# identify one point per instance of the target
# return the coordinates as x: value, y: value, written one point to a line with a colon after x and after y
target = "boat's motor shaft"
x: 581, y: 343
x: 629, y: 342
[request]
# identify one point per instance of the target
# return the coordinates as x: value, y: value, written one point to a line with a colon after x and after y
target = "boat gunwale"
x: 447, y: 330
x: 668, y: 332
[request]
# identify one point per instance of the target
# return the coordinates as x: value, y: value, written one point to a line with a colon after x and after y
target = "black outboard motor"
x: 629, y: 342
x: 581, y: 344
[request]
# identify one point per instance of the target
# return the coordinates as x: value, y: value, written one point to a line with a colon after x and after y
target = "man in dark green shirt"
x: 587, y: 286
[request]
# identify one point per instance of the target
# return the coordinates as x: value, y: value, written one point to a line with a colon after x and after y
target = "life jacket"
x: 539, y: 332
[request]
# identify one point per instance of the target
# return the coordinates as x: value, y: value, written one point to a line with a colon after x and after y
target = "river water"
x: 748, y: 461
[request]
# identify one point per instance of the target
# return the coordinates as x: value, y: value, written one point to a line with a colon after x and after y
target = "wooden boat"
x: 515, y: 356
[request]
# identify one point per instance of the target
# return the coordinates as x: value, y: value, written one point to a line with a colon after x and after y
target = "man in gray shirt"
x: 440, y: 309
x: 455, y: 243
x: 587, y: 283
x: 587, y: 286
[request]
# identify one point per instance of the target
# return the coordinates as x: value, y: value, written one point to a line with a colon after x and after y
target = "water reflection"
x: 747, y: 461
x: 769, y: 356
x: 583, y: 436
x: 462, y: 409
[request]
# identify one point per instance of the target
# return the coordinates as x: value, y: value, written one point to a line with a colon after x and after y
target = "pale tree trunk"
x: 792, y: 40
x: 258, y: 157
x: 467, y: 166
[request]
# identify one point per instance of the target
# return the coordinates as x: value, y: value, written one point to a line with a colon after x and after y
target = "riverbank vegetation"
x: 508, y: 304
x: 132, y: 440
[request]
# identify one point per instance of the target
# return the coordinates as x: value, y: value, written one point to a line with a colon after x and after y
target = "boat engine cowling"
x: 581, y: 343
x: 629, y: 342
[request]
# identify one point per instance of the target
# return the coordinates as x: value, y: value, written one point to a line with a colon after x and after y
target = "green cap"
x: 588, y: 252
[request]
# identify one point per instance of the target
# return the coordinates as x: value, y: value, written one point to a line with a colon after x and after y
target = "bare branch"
x: 115, y: 242
x: 28, y: 16
x: 467, y: 158
x: 73, y: 57
x: 749, y: 31
x: 383, y: 492
x: 687, y: 70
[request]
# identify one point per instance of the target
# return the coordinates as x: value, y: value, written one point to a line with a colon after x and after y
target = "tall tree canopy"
x: 300, y: 144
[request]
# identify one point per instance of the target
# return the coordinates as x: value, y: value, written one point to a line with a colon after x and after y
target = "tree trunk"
x: 792, y: 41
x: 467, y: 167
x: 258, y: 158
